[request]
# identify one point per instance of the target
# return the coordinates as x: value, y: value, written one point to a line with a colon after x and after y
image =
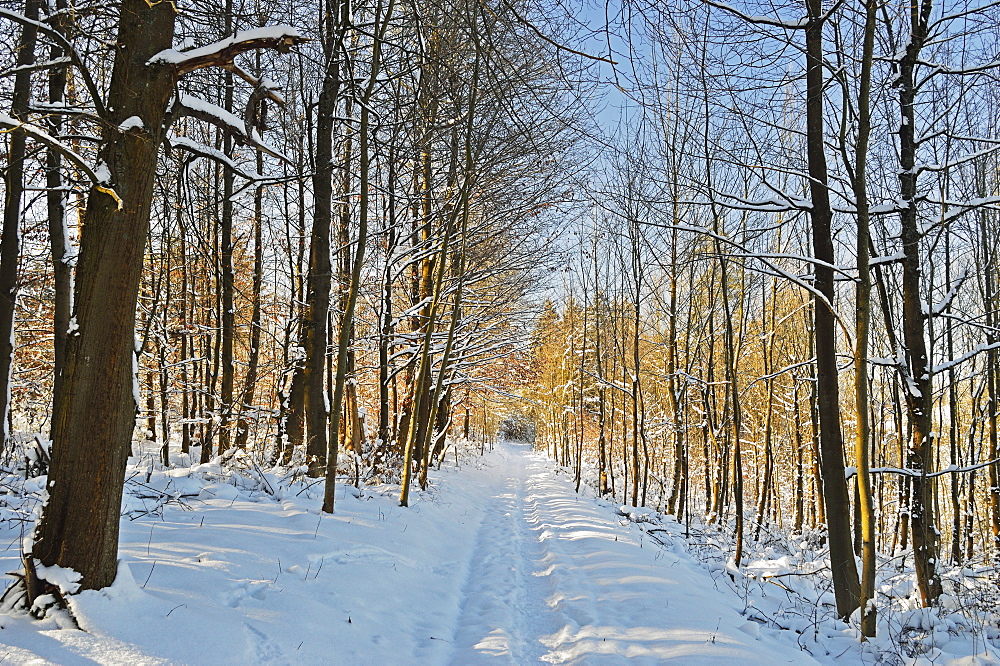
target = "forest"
x: 732, y: 262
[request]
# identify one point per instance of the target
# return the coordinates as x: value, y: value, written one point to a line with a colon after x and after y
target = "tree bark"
x: 55, y: 198
x: 917, y: 376
x: 346, y: 332
x: 227, y: 305
x: 863, y: 297
x: 845, y: 573
x: 314, y: 323
x: 96, y: 408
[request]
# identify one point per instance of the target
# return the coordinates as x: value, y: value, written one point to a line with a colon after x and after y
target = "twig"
x: 150, y: 574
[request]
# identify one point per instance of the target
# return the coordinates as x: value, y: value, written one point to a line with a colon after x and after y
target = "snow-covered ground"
x: 500, y: 561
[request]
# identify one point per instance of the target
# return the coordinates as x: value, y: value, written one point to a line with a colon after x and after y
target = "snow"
x: 136, y: 393
x: 71, y: 252
x: 102, y: 174
x: 947, y: 365
x: 220, y: 115
x: 225, y: 120
x: 500, y: 559
x: 132, y: 122
x: 67, y: 580
x: 559, y: 578
x: 887, y: 259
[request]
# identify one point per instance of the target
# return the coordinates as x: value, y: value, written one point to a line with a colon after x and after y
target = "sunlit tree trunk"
x: 845, y: 572
x: 863, y: 297
x: 96, y: 410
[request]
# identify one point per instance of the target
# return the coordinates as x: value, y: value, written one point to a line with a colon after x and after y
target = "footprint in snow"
x: 265, y: 650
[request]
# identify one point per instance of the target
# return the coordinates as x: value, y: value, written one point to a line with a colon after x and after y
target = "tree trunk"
x: 188, y: 406
x: 227, y: 305
x: 346, y: 332
x: 845, y: 573
x: 253, y: 358
x: 79, y: 525
x: 385, y: 433
x: 918, y: 371
x: 96, y: 415
x: 10, y: 244
x: 58, y: 233
x: 863, y: 297
x: 989, y: 299
x: 314, y: 322
x: 799, y: 519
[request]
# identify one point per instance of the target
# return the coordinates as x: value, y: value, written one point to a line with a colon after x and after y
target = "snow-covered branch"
x: 798, y: 24
x: 947, y: 365
x: 940, y: 307
x: 37, y: 67
x: 905, y: 471
x: 88, y: 80
x: 222, y: 53
x: 202, y: 150
x: 40, y: 135
x: 189, y: 105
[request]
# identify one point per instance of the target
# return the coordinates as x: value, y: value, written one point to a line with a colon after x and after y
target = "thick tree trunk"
x: 96, y: 409
x: 227, y: 305
x: 96, y: 415
x: 918, y: 371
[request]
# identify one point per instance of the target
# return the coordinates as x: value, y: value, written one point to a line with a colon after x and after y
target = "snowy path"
x: 502, y: 562
x: 557, y: 578
x: 504, y: 604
